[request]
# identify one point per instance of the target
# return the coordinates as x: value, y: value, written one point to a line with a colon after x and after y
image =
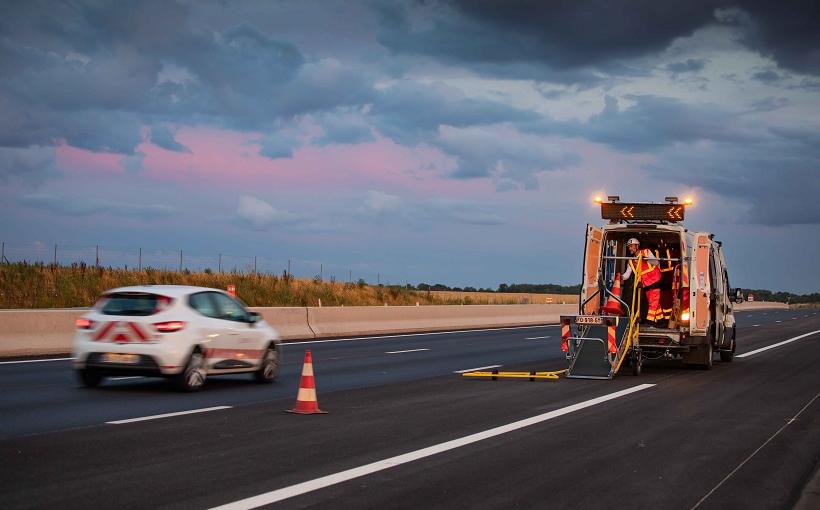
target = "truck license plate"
x: 115, y: 357
x: 589, y: 319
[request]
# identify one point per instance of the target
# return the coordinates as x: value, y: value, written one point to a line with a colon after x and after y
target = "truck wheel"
x: 192, y: 378
x: 269, y: 367
x: 637, y: 364
x: 708, y: 354
x: 89, y: 378
x: 727, y: 356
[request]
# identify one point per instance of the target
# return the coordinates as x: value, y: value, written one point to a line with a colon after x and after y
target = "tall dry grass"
x: 24, y: 285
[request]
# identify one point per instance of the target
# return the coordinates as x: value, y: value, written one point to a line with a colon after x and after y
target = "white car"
x: 180, y: 332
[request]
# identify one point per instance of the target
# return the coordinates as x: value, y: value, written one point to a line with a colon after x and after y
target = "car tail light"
x: 83, y: 323
x: 163, y: 302
x: 169, y: 327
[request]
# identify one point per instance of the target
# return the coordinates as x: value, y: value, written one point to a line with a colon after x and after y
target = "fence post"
x: 321, y: 276
x: 220, y: 263
x: 180, y: 261
x: 140, y: 261
x: 289, y: 273
x: 55, y: 255
x: 254, y: 264
x: 97, y: 257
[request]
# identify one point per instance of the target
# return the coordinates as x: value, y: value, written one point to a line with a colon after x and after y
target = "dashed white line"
x: 778, y: 321
x: 755, y: 325
x: 416, y: 334
x: 476, y: 369
x: 34, y: 361
x: 168, y: 415
x: 350, y: 474
x: 784, y: 342
x: 409, y: 350
x: 536, y: 337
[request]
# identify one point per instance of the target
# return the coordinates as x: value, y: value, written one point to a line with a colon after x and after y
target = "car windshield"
x: 132, y: 304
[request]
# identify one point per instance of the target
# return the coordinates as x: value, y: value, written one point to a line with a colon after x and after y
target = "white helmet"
x: 633, y: 241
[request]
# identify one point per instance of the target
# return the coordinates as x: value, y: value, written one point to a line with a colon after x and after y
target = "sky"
x: 454, y: 142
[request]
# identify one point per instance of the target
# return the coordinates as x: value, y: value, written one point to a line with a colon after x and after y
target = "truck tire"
x: 728, y: 356
x: 707, y: 353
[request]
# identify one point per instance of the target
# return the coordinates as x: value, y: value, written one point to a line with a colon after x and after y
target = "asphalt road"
x: 405, y: 431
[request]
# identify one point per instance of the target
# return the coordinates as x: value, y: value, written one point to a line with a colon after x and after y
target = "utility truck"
x: 695, y: 319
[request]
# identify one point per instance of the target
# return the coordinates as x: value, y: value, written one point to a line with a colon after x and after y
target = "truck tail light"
x: 83, y: 323
x: 169, y: 326
x: 684, y: 316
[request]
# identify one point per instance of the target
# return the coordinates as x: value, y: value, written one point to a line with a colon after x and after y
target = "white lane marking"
x: 794, y: 318
x: 747, y: 459
x: 778, y: 321
x: 784, y: 342
x: 755, y: 325
x: 806, y: 315
x: 297, y: 343
x: 350, y: 474
x: 536, y: 337
x: 476, y: 369
x: 34, y: 361
x: 168, y: 415
x: 124, y: 378
x: 408, y: 350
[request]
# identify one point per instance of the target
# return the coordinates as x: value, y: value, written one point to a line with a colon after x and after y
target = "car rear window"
x: 133, y: 303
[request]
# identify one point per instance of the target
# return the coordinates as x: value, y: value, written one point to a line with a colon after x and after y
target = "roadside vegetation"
x: 25, y: 285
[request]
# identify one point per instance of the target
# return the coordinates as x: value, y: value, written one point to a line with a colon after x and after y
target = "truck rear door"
x: 592, y: 265
x: 699, y: 284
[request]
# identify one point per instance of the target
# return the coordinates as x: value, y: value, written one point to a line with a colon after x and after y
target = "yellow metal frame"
x: 634, y: 321
x: 517, y: 375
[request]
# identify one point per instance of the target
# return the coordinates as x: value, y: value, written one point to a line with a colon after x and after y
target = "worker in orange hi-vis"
x: 645, y: 267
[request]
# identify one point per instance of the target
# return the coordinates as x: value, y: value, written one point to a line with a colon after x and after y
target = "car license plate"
x: 589, y: 319
x: 115, y: 357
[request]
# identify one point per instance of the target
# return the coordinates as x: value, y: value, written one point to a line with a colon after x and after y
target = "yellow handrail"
x: 634, y: 322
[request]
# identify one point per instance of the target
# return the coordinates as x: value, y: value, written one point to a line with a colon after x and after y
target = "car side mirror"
x: 254, y: 317
x: 738, y: 297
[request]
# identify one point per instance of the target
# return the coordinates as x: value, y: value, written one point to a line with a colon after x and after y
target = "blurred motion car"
x: 178, y: 332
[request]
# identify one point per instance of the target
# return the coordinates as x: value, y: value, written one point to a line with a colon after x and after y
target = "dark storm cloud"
x: 492, y: 35
x: 408, y: 112
x: 691, y: 65
x: 161, y: 136
x: 651, y: 123
x: 559, y: 36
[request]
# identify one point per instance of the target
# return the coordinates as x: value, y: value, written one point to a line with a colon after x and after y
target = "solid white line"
x: 784, y: 342
x: 350, y: 474
x: 475, y: 369
x: 34, y: 361
x: 536, y: 337
x: 416, y: 334
x: 168, y: 415
x: 409, y: 350
x: 747, y: 459
x: 124, y: 378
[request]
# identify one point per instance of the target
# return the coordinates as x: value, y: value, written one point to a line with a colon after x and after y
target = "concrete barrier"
x: 37, y: 332
x: 759, y: 305
x: 290, y: 322
x: 377, y: 320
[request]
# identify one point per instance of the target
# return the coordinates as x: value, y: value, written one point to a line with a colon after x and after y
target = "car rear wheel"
x: 269, y: 368
x: 194, y: 375
x: 89, y: 378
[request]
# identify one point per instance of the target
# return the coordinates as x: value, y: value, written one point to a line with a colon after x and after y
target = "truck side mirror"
x: 738, y: 296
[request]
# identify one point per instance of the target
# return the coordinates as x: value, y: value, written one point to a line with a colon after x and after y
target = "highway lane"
x: 668, y: 446
x: 42, y: 397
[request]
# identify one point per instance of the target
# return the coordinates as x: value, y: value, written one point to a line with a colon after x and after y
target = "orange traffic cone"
x: 306, y: 402
x: 613, y: 307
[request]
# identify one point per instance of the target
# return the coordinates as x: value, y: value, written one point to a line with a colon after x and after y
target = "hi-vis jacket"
x: 649, y: 272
